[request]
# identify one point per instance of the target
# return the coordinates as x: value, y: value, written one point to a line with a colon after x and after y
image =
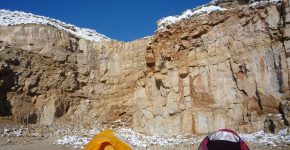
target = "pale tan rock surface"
x: 227, y: 69
x: 48, y: 74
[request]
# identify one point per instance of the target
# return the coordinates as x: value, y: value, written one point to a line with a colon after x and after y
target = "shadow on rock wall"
x: 7, y: 82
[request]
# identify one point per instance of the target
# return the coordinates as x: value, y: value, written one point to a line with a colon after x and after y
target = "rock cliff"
x: 228, y: 68
x: 47, y: 74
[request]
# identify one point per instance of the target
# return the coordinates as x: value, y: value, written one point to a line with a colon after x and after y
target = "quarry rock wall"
x: 225, y: 70
x: 228, y: 69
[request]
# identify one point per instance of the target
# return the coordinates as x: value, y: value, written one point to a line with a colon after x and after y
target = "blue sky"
x: 124, y: 20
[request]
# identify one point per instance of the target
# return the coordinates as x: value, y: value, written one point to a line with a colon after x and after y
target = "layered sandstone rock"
x: 225, y: 70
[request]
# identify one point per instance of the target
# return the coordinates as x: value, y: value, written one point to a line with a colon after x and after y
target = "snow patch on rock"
x: 8, y: 18
x: 205, y: 10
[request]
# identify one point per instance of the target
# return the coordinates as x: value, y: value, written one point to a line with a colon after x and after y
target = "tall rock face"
x: 46, y: 74
x: 223, y: 69
x: 228, y: 69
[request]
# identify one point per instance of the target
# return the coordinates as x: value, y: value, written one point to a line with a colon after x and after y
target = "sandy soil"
x: 31, y: 143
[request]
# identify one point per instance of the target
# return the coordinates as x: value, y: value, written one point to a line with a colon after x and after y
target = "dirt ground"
x: 45, y: 140
x: 36, y: 143
x: 24, y: 143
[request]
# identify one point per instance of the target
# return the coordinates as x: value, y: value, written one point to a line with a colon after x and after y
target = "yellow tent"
x: 107, y: 140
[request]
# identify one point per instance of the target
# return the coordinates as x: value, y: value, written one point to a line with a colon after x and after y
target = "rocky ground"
x: 34, y: 143
x: 70, y: 137
x: 47, y: 144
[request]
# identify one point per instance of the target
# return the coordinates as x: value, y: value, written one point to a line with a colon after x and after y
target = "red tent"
x: 224, y: 139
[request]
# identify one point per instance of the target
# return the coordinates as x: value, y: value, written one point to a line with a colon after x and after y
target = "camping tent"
x: 224, y: 139
x: 107, y: 140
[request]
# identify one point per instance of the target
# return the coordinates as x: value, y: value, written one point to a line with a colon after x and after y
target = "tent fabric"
x: 107, y: 140
x: 224, y: 139
x: 224, y: 136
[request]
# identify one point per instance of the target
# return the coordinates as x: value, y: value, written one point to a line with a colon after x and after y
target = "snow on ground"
x: 255, y: 3
x: 133, y: 138
x: 11, y: 132
x: 73, y: 141
x: 141, y: 141
x: 267, y: 138
x: 188, y: 13
x: 204, y: 10
x: 79, y: 140
x: 8, y: 18
x: 79, y: 137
